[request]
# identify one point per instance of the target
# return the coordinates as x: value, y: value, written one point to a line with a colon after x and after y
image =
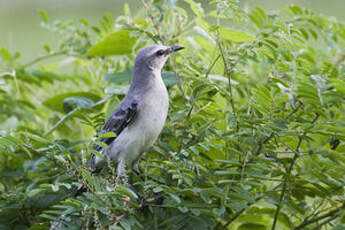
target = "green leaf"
x: 241, y: 193
x: 44, y: 16
x: 230, y: 162
x: 339, y: 227
x: 48, y: 217
x: 5, y: 55
x: 37, y: 226
x: 158, y: 189
x: 127, y: 192
x: 183, y: 209
x: 57, y: 102
x: 122, y: 77
x: 125, y: 224
x: 33, y: 192
x: 195, y: 7
x: 116, y: 90
x: 227, y: 181
x: 236, y: 36
x: 126, y: 10
x: 195, y: 211
x: 97, y: 153
x: 253, y: 226
x: 83, y: 21
x: 175, y: 197
x: 113, y: 227
x: 87, y: 176
x: 339, y: 85
x: 296, y: 9
x: 39, y: 77
x: 108, y: 134
x: 77, y: 101
x: 219, y: 211
x: 169, y: 78
x: 37, y: 138
x: 7, y: 141
x: 117, y: 43
x: 47, y: 48
x: 226, y: 172
x: 258, y: 16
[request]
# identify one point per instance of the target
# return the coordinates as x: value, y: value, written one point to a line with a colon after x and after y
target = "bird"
x: 139, y: 118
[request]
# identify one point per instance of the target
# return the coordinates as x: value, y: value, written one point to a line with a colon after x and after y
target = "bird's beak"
x: 176, y: 48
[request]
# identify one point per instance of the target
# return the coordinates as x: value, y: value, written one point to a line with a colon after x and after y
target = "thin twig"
x: 184, y: 129
x: 70, y: 113
x: 279, y: 206
x: 212, y: 65
x: 244, y: 166
x: 237, y: 214
x: 155, y: 24
x: 179, y: 81
x: 258, y: 150
x: 288, y: 173
x: 318, y: 227
x: 42, y: 58
x: 295, y: 110
x: 318, y: 218
x: 315, y: 212
x: 267, y: 139
x: 228, y: 70
x: 341, y: 59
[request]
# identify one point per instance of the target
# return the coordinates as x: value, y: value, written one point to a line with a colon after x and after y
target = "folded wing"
x: 123, y: 115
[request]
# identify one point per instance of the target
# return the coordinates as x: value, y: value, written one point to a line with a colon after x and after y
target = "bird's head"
x: 154, y: 57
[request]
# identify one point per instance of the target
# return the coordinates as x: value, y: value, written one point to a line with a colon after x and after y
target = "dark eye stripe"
x: 160, y: 52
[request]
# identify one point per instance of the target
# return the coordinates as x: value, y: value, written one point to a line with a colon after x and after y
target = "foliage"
x: 253, y: 140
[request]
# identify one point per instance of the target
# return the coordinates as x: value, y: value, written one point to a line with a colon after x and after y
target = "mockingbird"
x: 140, y: 116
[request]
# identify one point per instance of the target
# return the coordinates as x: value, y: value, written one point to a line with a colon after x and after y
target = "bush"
x: 253, y: 138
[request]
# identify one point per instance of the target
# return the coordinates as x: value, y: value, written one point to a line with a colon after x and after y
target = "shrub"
x: 253, y: 138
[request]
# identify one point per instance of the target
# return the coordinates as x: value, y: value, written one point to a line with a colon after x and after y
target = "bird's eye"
x: 160, y: 52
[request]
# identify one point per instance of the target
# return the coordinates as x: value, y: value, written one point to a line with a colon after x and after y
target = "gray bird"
x: 140, y: 117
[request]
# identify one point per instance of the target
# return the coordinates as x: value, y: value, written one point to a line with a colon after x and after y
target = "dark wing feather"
x: 118, y: 121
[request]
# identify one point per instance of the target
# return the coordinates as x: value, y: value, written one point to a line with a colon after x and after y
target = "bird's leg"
x: 135, y: 168
x: 158, y: 197
x: 121, y: 172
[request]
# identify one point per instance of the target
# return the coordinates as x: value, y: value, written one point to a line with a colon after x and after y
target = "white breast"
x: 153, y: 112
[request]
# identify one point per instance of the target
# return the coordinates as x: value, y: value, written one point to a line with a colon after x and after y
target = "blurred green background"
x: 20, y: 21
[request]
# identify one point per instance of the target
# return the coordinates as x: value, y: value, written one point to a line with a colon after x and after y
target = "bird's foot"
x: 78, y: 191
x: 159, y: 198
x: 139, y: 198
x: 156, y: 199
x: 124, y: 181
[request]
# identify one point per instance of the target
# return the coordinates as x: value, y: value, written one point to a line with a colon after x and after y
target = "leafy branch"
x: 288, y: 175
x: 36, y: 60
x: 267, y: 139
x: 227, y: 69
x: 240, y: 212
x: 332, y: 214
x: 70, y: 113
